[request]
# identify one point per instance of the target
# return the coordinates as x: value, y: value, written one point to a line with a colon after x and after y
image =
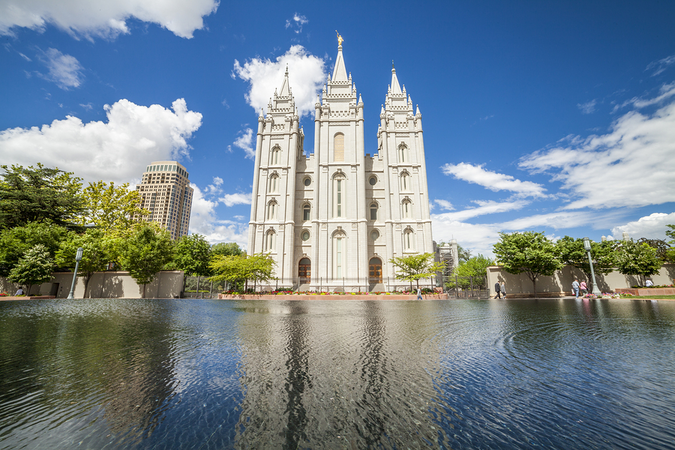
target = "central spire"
x: 340, y: 73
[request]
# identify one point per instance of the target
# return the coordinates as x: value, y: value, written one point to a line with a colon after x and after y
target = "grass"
x: 655, y: 297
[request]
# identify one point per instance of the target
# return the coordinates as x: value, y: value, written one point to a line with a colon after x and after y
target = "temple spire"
x: 395, y: 87
x: 340, y: 72
x: 285, y: 86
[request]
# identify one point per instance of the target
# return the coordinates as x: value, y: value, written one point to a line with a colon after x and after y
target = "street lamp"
x: 78, y: 258
x: 587, y: 247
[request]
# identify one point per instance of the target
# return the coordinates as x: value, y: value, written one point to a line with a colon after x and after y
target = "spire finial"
x: 392, y: 65
x: 340, y: 40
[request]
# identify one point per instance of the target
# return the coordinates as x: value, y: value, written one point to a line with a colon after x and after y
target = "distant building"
x: 335, y: 218
x: 166, y: 192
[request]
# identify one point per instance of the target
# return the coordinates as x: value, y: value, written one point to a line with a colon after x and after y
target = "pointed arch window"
x: 339, y: 147
x: 408, y: 239
x: 274, y: 183
x: 306, y: 212
x: 275, y: 156
x: 339, y: 251
x: 405, y: 181
x: 272, y: 210
x: 270, y: 240
x: 406, y: 209
x: 402, y: 153
x: 339, y: 197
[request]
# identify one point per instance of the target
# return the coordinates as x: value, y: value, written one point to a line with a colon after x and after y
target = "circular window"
x: 305, y: 235
x: 307, y: 181
x: 372, y: 181
x: 374, y: 235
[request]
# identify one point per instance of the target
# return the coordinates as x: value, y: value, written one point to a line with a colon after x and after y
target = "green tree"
x: 415, y: 267
x: 15, y: 242
x: 238, y: 270
x: 670, y: 254
x: 95, y: 255
x: 637, y: 258
x: 226, y: 249
x: 145, y: 253
x: 529, y: 252
x: 659, y: 245
x: 34, y: 194
x: 476, y: 268
x: 34, y: 267
x: 192, y: 255
x: 261, y: 267
x: 110, y: 207
x: 572, y: 253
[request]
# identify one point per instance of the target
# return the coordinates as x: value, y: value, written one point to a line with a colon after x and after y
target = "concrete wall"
x: 561, y: 282
x: 167, y: 284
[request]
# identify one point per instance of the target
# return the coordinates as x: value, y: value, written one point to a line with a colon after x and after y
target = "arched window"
x: 274, y: 156
x: 406, y: 209
x: 339, y: 250
x: 274, y: 182
x: 306, y: 212
x: 402, y: 153
x: 373, y: 211
x: 272, y: 210
x: 339, y: 148
x: 339, y: 188
x: 408, y: 239
x: 270, y: 241
x: 405, y: 181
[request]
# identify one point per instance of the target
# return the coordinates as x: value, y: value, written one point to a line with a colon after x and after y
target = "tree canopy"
x: 416, y: 267
x: 34, y: 194
x: 239, y: 269
x: 475, y: 269
x: 95, y: 254
x: 637, y: 258
x: 529, y: 252
x: 110, y: 207
x: 15, y: 242
x: 35, y: 267
x: 145, y: 253
x: 603, y: 255
x: 226, y: 249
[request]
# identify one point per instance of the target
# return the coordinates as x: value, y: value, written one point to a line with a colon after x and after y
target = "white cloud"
x: 478, y: 238
x: 203, y: 221
x: 484, y: 207
x: 661, y: 65
x: 236, y: 199
x: 444, y: 204
x: 104, y: 18
x: 665, y: 93
x: 296, y: 23
x: 493, y: 180
x: 651, y: 227
x: 306, y: 74
x: 118, y: 150
x: 64, y: 70
x: 245, y: 142
x: 217, y: 181
x: 588, y: 107
x: 630, y: 166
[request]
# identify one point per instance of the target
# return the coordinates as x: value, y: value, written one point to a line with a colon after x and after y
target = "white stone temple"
x: 334, y: 219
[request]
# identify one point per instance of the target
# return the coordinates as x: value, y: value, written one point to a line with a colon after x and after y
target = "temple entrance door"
x: 375, y: 271
x: 305, y: 271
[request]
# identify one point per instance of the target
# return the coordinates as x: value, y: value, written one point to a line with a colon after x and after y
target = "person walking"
x: 497, y: 290
x: 502, y: 289
x: 419, y: 294
x: 583, y: 288
x: 575, y: 288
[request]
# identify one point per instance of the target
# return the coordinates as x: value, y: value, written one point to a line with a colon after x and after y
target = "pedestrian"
x: 497, y: 290
x: 502, y: 289
x: 584, y: 289
x: 575, y: 288
x: 649, y: 283
x: 18, y: 292
x: 419, y: 294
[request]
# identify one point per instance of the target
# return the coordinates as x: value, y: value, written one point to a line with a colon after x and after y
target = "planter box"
x: 645, y: 292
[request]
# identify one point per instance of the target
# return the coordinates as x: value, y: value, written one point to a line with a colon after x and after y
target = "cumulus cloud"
x: 630, y: 166
x: 306, y: 72
x: 117, y: 150
x: 483, y: 208
x: 245, y: 142
x: 493, y: 180
x: 296, y: 23
x: 203, y: 221
x: 64, y: 70
x: 104, y: 18
x: 588, y: 107
x: 236, y: 199
x: 651, y: 227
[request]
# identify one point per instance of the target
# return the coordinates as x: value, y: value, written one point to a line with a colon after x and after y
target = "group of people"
x: 500, y: 290
x: 579, y: 287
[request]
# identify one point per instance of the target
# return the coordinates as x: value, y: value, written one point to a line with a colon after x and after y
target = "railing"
x: 321, y: 284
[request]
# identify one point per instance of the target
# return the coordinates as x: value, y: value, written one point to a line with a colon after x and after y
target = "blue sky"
x: 545, y: 116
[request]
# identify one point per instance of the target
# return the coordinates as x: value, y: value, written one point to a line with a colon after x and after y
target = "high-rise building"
x: 335, y: 218
x: 166, y: 192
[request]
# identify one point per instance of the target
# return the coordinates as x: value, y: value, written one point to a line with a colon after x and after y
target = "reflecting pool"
x: 209, y: 374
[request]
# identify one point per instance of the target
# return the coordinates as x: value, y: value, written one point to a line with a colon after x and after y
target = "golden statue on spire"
x: 340, y: 40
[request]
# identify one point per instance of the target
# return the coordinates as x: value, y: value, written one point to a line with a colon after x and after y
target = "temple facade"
x: 334, y: 219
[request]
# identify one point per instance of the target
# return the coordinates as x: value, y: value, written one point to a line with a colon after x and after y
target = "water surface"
x: 331, y: 374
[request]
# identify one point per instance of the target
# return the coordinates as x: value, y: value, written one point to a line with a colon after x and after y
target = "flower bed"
x: 645, y: 292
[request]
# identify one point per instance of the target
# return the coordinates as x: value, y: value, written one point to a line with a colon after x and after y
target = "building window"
x: 408, y: 239
x: 274, y: 183
x: 338, y: 196
x: 307, y: 181
x: 274, y: 157
x: 339, y: 148
x: 373, y: 211
x: 405, y: 181
x: 305, y: 235
x: 372, y: 181
x: 272, y: 210
x: 339, y: 244
x: 406, y: 208
x: 271, y: 238
x: 402, y: 153
x: 306, y: 212
x: 374, y: 235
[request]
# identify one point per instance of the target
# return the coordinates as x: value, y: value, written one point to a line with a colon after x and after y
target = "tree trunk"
x: 87, y: 278
x: 143, y: 295
x: 534, y: 287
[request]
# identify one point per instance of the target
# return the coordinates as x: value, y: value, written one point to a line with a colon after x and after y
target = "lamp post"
x: 78, y: 258
x: 587, y: 247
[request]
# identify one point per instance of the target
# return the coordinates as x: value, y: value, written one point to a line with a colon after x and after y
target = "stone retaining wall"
x: 643, y: 292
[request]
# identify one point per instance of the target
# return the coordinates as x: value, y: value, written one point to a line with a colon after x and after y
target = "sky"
x: 556, y: 117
